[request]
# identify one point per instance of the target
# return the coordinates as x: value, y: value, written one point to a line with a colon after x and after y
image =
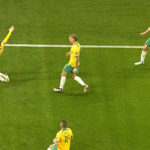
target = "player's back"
x: 64, y: 138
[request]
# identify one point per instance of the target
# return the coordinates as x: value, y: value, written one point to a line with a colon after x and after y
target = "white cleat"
x: 139, y: 63
x: 4, y: 77
x: 86, y: 88
x: 58, y: 90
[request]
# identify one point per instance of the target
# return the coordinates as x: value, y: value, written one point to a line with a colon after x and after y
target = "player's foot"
x: 4, y: 77
x: 58, y: 90
x: 86, y: 88
x: 139, y: 63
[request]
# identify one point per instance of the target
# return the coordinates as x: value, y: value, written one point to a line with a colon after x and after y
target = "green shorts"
x: 69, y: 69
x: 148, y: 42
x: 54, y: 147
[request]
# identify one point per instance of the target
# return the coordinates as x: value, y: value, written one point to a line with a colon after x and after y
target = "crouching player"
x: 64, y: 137
x: 73, y: 66
x: 3, y: 77
x: 145, y: 48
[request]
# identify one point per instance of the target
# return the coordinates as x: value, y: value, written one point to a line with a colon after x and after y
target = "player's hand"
x: 11, y: 28
x: 54, y: 140
x: 142, y: 34
x: 75, y: 70
x: 68, y: 53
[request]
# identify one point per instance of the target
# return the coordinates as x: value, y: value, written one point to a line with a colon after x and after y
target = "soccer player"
x: 145, y: 48
x: 64, y: 137
x: 73, y: 66
x: 2, y: 45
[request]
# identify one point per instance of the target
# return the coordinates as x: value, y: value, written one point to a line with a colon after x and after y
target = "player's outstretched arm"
x: 143, y: 33
x: 11, y: 29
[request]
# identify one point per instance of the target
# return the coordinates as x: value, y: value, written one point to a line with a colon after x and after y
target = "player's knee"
x: 145, y: 48
x: 63, y: 74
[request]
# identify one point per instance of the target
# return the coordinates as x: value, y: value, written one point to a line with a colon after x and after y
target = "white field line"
x: 65, y: 46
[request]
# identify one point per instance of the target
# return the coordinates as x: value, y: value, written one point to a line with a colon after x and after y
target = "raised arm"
x: 11, y: 29
x: 143, y: 33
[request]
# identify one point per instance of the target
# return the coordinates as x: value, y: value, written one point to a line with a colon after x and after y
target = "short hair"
x: 74, y: 37
x: 64, y: 123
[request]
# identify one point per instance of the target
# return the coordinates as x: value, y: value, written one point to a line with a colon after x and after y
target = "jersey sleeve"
x: 58, y: 137
x: 77, y: 51
x: 76, y: 54
x: 6, y: 38
x: 1, y: 48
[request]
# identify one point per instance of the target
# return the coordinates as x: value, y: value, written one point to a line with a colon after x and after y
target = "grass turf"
x: 114, y: 114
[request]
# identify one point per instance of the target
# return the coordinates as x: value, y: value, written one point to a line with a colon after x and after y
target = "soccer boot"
x: 86, y: 88
x: 58, y: 90
x: 139, y: 63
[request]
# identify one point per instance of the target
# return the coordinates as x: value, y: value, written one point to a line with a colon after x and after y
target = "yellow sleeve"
x: 7, y: 37
x: 77, y: 51
x: 58, y: 136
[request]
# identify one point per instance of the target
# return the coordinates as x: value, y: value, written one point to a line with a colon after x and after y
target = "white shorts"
x: 49, y: 148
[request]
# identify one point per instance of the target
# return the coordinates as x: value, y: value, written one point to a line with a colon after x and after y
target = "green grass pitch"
x: 114, y: 114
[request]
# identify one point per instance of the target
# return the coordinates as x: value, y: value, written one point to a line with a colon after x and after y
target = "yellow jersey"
x: 2, y: 45
x: 63, y: 138
x: 75, y: 52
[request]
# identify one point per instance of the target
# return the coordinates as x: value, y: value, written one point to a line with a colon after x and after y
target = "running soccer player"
x: 3, y: 77
x: 73, y: 66
x: 64, y: 137
x: 145, y: 48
